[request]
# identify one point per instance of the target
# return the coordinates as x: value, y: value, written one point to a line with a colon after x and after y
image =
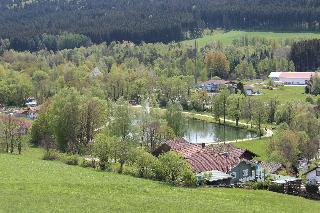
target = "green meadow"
x: 284, y: 94
x: 29, y: 184
x: 227, y: 37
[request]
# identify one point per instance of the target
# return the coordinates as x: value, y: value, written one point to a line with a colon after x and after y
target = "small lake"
x: 198, y: 131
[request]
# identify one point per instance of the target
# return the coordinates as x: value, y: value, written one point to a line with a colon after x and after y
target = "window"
x: 245, y: 173
x: 318, y: 173
x: 234, y: 175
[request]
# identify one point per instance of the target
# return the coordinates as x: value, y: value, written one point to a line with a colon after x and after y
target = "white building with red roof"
x: 291, y: 78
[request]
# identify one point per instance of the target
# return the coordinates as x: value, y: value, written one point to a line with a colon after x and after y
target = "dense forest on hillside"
x: 25, y: 22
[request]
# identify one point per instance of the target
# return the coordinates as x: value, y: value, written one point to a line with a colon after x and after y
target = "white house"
x: 313, y: 175
x: 291, y: 78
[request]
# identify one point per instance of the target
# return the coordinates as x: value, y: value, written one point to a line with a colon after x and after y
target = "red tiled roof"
x: 218, y: 157
x: 297, y: 74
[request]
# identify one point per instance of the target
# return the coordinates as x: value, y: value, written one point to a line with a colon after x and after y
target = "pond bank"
x: 211, y: 119
x: 229, y: 123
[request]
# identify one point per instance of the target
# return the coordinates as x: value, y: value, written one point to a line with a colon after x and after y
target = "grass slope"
x: 227, y: 37
x: 28, y: 184
x: 258, y: 146
x: 284, y: 94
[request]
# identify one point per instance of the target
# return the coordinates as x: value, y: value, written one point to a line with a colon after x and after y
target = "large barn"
x: 291, y: 78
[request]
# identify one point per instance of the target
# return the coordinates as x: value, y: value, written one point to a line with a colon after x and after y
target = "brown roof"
x: 218, y: 157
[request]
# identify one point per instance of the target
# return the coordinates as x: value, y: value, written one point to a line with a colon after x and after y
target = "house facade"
x: 244, y: 171
x: 212, y: 86
x: 291, y: 78
x: 314, y: 175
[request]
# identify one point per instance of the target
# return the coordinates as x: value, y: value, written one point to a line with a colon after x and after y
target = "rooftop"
x: 291, y: 74
x: 207, y: 158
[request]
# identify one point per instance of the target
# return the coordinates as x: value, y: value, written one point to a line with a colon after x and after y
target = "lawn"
x: 227, y: 37
x: 284, y: 94
x: 28, y: 184
x: 257, y: 146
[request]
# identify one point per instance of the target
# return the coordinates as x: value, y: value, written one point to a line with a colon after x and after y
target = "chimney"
x: 203, y: 145
x: 226, y: 154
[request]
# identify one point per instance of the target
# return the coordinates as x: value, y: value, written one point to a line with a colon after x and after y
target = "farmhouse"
x: 291, y: 78
x: 29, y: 112
x: 313, y: 175
x: 223, y: 158
x: 212, y: 86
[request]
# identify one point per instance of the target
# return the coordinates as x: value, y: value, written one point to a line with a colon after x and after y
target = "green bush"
x: 87, y: 163
x: 70, y: 159
x: 189, y: 179
x: 145, y: 163
x: 276, y: 188
x: 309, y: 99
x: 260, y: 185
x: 174, y: 169
x: 51, y: 155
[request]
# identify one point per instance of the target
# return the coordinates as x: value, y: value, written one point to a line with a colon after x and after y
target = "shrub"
x: 174, y: 169
x: 260, y: 185
x: 85, y: 163
x: 70, y: 159
x: 145, y: 163
x: 309, y: 99
x: 312, y: 188
x: 189, y: 179
x: 51, y: 155
x: 276, y: 188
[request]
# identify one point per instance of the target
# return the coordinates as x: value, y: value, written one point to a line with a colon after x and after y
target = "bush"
x: 309, y: 99
x: 87, y: 163
x: 70, y: 159
x: 189, y: 179
x: 51, y: 155
x: 145, y: 163
x: 276, y: 188
x: 172, y: 168
x: 260, y: 185
x: 312, y: 188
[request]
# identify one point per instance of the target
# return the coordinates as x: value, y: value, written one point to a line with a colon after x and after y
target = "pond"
x: 198, y: 131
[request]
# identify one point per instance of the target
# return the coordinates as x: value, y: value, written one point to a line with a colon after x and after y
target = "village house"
x: 29, y: 112
x: 213, y: 86
x: 313, y: 175
x: 250, y: 90
x: 291, y: 78
x: 228, y: 159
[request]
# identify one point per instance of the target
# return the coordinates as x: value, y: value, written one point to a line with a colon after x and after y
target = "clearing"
x: 227, y: 37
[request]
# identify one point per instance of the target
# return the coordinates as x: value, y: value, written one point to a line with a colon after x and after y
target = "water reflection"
x: 203, y: 132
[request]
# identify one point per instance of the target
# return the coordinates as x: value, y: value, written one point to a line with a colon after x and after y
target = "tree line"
x: 149, y: 21
x: 163, y: 72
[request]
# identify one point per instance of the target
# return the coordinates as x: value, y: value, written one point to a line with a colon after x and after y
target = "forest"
x: 25, y: 23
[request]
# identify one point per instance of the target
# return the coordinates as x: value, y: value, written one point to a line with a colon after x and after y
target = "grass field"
x: 257, y: 146
x: 28, y: 184
x: 227, y: 37
x: 284, y: 94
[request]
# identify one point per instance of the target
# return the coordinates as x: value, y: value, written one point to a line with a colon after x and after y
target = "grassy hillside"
x: 284, y: 94
x: 227, y: 37
x: 257, y: 146
x: 29, y: 184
